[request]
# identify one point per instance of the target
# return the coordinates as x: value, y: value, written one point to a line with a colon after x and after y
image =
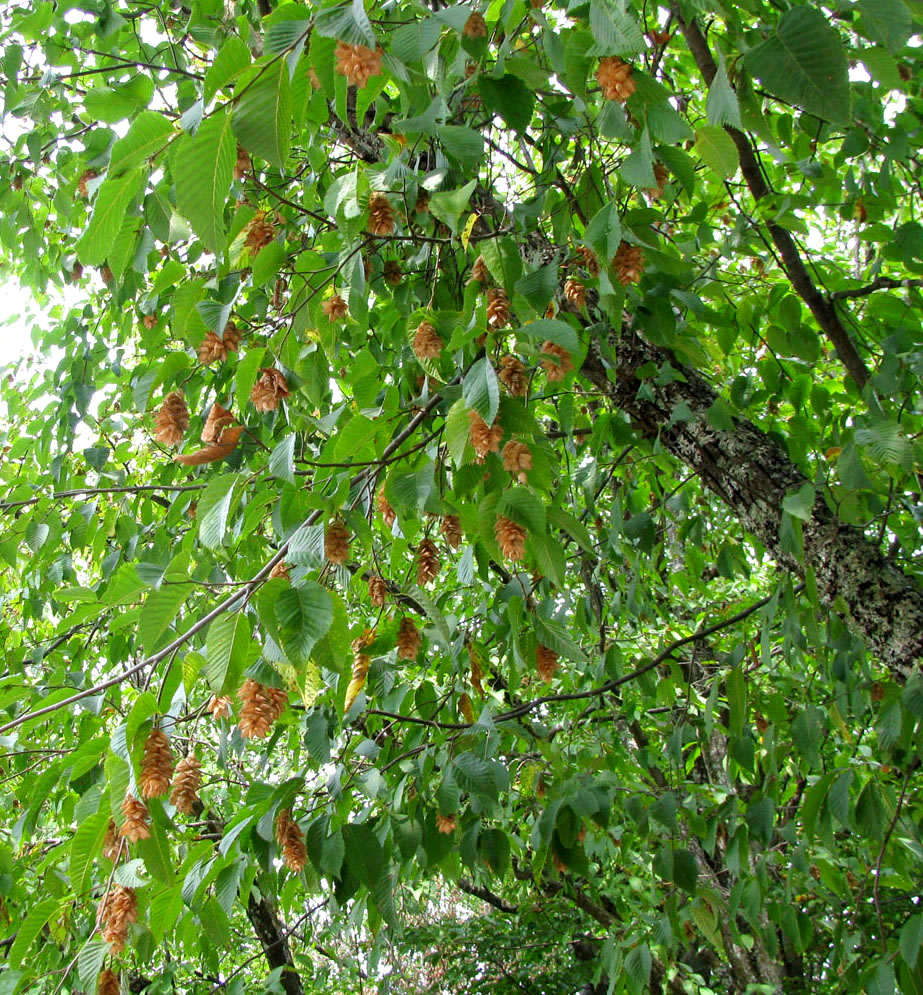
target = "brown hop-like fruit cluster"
x: 475, y: 26
x: 269, y: 390
x: 614, y: 77
x: 358, y: 63
x: 108, y: 983
x: 336, y: 542
x: 231, y: 337
x: 452, y: 530
x: 243, y: 165
x: 546, y: 663
x: 484, y: 439
x: 445, y: 824
x: 392, y: 273
x: 149, y: 321
x: 215, y: 349
x: 498, y: 308
x: 384, y: 506
x: 291, y: 839
x: 513, y: 376
x: 466, y: 708
x: 409, y: 640
x: 172, y: 421
x: 428, y: 562
x: 258, y: 232
x: 381, y: 214
x: 378, y: 590
x: 83, y: 180
x: 335, y: 308
x: 217, y: 421
x: 511, y: 538
x: 119, y: 909
x: 517, y: 460
x: 184, y: 791
x: 280, y: 571
x: 156, y: 765
x: 588, y: 260
x: 112, y: 841
x: 661, y: 176
x: 421, y: 204
x: 261, y: 707
x: 629, y: 263
x: 427, y: 343
x: 575, y: 292
x: 137, y: 820
x: 559, y: 365
x: 477, y: 668
x: 479, y: 271
x: 220, y: 707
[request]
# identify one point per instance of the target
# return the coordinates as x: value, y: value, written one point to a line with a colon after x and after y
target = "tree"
x: 461, y: 517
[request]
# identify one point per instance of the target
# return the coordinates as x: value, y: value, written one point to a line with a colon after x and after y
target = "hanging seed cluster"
x: 261, y: 708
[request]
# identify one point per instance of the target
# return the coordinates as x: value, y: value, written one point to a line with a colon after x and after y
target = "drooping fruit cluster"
x: 427, y: 343
x: 378, y: 590
x: 484, y: 439
x: 261, y: 707
x: 661, y: 176
x: 498, y: 308
x: 628, y: 263
x: 475, y: 26
x: 513, y: 376
x: 384, y: 506
x: 220, y: 707
x: 575, y: 292
x: 479, y: 271
x: 335, y: 308
x: 517, y: 460
x: 119, y: 909
x: 560, y: 363
x: 546, y: 662
x: 361, y: 663
x: 358, y: 63
x: 137, y: 820
x: 408, y: 640
x: 217, y: 421
x: 258, y: 232
x: 614, y: 77
x: 451, y: 530
x: 511, y: 538
x: 381, y: 214
x: 588, y: 260
x: 269, y: 390
x: 187, y: 780
x: 445, y: 823
x: 428, y: 562
x: 172, y: 420
x: 215, y: 349
x: 156, y: 765
x: 291, y: 839
x: 336, y: 542
x: 108, y: 983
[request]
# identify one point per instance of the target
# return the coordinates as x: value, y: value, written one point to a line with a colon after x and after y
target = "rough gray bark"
x: 274, y: 941
x: 752, y: 474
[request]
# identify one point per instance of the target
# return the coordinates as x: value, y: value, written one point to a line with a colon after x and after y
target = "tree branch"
x: 881, y: 283
x: 824, y: 312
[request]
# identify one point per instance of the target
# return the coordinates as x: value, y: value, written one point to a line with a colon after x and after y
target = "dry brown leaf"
x: 223, y: 447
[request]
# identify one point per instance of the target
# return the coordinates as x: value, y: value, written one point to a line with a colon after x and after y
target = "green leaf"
x: 90, y: 959
x: 685, y: 870
x: 615, y: 31
x: 481, y: 390
x: 509, y: 98
x: 29, y: 928
x: 716, y: 148
x: 801, y: 502
x: 203, y: 168
x: 85, y: 845
x: 887, y: 22
x: 804, y: 63
x: 503, y: 261
x: 737, y: 700
x: 304, y: 615
x: 912, y: 939
x: 638, y: 968
x: 604, y: 232
x: 364, y: 854
x: 113, y: 200
x: 553, y: 635
x: 870, y: 811
x: 553, y: 330
x: 464, y: 144
x: 638, y: 168
x: 524, y: 506
x: 226, y: 649
x: 215, y: 508
x: 160, y: 608
x: 230, y: 62
x: 449, y: 205
x: 721, y: 104
x: 282, y: 459
x: 263, y: 118
x: 149, y: 133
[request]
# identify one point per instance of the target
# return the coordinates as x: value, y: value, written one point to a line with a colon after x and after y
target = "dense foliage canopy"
x: 461, y: 516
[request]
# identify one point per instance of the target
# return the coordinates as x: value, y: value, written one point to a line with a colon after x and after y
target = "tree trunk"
x: 752, y: 474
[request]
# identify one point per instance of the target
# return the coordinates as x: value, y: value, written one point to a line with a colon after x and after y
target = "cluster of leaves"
x: 557, y: 368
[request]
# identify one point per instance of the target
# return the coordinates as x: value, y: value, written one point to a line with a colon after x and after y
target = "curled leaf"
x: 225, y: 445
